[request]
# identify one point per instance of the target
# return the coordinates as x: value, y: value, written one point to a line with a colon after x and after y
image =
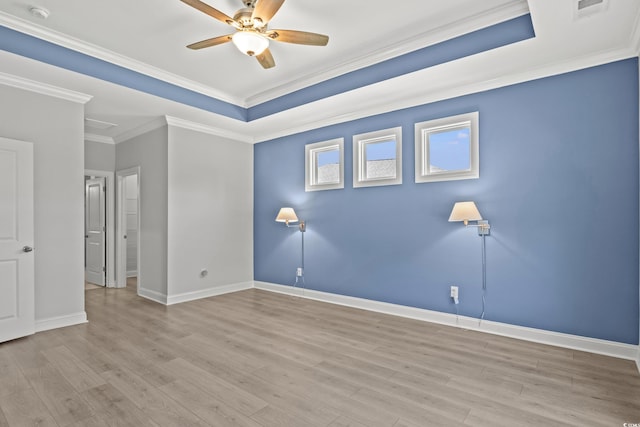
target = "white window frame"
x: 422, y: 131
x: 360, y: 162
x: 311, y: 166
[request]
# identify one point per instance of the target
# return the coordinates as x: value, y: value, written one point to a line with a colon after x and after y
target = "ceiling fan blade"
x: 210, y: 42
x: 214, y: 13
x: 298, y: 37
x: 266, y: 59
x: 265, y: 9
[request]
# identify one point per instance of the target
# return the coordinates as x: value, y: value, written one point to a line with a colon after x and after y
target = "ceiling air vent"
x: 588, y: 3
x: 590, y: 7
x: 98, y: 124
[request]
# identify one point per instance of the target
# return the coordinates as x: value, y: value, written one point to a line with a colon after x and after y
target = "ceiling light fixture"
x: 250, y: 43
x: 39, y: 12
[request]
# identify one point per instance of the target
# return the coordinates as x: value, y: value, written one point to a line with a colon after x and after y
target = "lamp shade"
x: 250, y: 43
x: 464, y: 211
x: 287, y: 215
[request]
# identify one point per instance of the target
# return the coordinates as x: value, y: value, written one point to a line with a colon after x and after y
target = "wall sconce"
x: 288, y: 215
x: 468, y: 211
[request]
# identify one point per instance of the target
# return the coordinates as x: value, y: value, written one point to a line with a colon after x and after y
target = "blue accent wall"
x: 558, y: 183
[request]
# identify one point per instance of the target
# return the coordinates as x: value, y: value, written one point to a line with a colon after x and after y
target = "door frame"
x: 110, y: 279
x: 121, y: 242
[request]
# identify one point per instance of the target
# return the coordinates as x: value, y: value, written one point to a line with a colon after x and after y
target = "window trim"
x: 421, y: 150
x: 310, y: 168
x: 359, y: 165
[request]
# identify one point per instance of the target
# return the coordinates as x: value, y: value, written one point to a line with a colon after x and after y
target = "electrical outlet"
x: 299, y: 272
x: 454, y: 292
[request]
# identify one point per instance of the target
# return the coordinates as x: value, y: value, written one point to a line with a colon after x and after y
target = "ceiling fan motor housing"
x: 243, y: 17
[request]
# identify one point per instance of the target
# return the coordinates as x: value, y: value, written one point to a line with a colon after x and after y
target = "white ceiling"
x: 150, y: 36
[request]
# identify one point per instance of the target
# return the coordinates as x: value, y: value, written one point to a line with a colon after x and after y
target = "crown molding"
x: 43, y: 88
x: 635, y: 35
x: 154, y: 124
x: 161, y: 121
x: 98, y: 138
x: 198, y: 127
x: 442, y: 93
x: 95, y: 51
x: 433, y: 36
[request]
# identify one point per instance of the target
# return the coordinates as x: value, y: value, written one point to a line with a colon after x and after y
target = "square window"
x: 327, y: 164
x: 324, y: 165
x: 377, y: 158
x: 380, y: 159
x: 447, y: 149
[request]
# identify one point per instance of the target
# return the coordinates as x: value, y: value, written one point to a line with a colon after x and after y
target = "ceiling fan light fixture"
x: 250, y: 43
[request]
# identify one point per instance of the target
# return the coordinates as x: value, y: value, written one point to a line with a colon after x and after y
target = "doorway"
x: 128, y: 270
x: 99, y: 229
x: 95, y: 236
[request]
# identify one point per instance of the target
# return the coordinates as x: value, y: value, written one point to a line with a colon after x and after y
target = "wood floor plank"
x: 74, y: 370
x: 312, y: 412
x: 24, y: 408
x: 343, y: 421
x: 58, y: 395
x: 260, y: 359
x: 272, y: 416
x: 12, y: 379
x: 242, y: 400
x: 115, y: 408
x: 3, y: 419
x: 215, y: 412
x: 157, y: 405
x: 428, y: 415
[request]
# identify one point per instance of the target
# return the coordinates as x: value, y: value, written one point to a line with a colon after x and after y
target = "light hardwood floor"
x: 255, y: 358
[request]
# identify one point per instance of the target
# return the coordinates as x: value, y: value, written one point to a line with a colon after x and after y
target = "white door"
x: 95, y: 231
x: 16, y: 240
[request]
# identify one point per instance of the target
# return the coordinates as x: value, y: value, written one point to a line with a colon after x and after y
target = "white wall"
x: 149, y: 151
x: 99, y: 156
x: 210, y: 220
x: 56, y: 127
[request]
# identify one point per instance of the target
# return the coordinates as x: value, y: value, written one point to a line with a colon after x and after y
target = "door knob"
x: 27, y: 249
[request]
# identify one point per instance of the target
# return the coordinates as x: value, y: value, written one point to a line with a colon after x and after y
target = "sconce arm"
x: 302, y: 226
x: 484, y: 229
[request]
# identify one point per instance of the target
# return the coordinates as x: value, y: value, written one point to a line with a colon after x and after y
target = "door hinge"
x: 104, y: 269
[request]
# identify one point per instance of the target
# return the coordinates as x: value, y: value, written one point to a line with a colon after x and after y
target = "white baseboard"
x: 61, y: 321
x: 574, y: 342
x: 210, y: 292
x: 152, y: 295
x: 638, y: 359
x: 133, y: 273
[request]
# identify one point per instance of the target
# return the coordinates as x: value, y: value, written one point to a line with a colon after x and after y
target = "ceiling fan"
x: 252, y: 36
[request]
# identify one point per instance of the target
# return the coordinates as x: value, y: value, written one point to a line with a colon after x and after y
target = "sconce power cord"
x: 484, y: 277
x: 300, y: 278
